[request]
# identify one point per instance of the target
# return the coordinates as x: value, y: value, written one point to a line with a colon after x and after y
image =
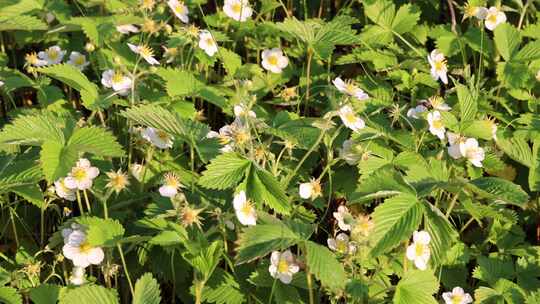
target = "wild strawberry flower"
x: 479, y: 12
x: 239, y: 10
x: 363, y: 225
x: 118, y: 180
x: 350, y: 119
x: 350, y: 88
x: 179, y: 9
x: 145, y: 52
x: 63, y: 191
x: 470, y: 150
x: 283, y: 266
x: 52, y: 55
x: 117, y: 81
x: 437, y: 103
x: 171, y: 185
x: 78, y: 250
x: 207, y: 43
x: 310, y: 190
x: 244, y: 209
x: 348, y: 153
x: 344, y: 218
x: 127, y: 28
x: 457, y: 296
x: 455, y: 141
x: 77, y: 276
x: 158, y: 138
x: 438, y: 66
x: 415, y: 112
x: 494, y: 17
x: 419, y: 250
x: 436, y: 125
x: 241, y: 110
x: 78, y: 60
x: 341, y: 244
x: 273, y: 60
x: 82, y: 175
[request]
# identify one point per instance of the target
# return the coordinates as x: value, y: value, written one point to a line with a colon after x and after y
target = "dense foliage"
x: 273, y: 151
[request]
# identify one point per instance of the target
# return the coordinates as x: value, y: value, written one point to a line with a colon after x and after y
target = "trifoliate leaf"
x: 324, y: 265
x: 224, y: 171
x: 416, y: 287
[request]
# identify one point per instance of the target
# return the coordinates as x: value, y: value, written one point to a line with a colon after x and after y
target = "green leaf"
x: 102, y: 232
x: 90, y: 294
x: 231, y: 61
x: 74, y: 78
x: 146, y: 290
x: 56, y: 160
x: 257, y: 241
x: 490, y: 270
x: 534, y: 171
x: 95, y: 140
x: 500, y: 190
x: 531, y: 51
x: 224, y: 171
x: 9, y: 295
x: 507, y: 40
x: 263, y: 188
x: 222, y: 288
x: 468, y: 104
x: 405, y: 19
x: 34, y: 129
x: 395, y: 221
x: 517, y: 149
x: 45, y: 294
x: 180, y: 82
x: 324, y: 265
x: 442, y: 233
x: 384, y: 182
x: 416, y: 287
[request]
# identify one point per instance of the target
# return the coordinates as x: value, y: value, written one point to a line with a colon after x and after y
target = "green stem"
x: 308, y: 74
x: 452, y: 204
x: 14, y: 227
x: 407, y: 43
x: 310, y: 287
x: 293, y: 173
x: 79, y: 202
x: 87, y: 201
x: 272, y: 291
x: 126, y: 272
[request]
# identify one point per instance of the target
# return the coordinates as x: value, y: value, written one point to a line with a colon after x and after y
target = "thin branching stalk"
x: 126, y: 272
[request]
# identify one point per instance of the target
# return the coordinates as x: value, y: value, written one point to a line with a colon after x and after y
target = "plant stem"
x: 79, y: 202
x: 308, y: 74
x: 310, y: 288
x: 452, y: 204
x: 272, y: 291
x: 87, y: 201
x: 126, y: 272
x: 14, y: 227
x: 293, y: 173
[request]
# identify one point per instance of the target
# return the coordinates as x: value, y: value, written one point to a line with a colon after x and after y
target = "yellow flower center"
x: 237, y: 8
x: 79, y: 174
x: 440, y: 65
x: 341, y: 246
x: 456, y: 299
x: 85, y: 248
x: 80, y: 60
x: 241, y: 137
x: 419, y: 249
x: 180, y: 8
x: 145, y: 51
x: 272, y: 60
x: 52, y: 53
x: 209, y: 41
x: 437, y: 124
x: 162, y: 135
x: 492, y: 18
x: 31, y: 58
x: 470, y: 10
x: 350, y: 117
x: 247, y: 208
x: 171, y: 180
x: 350, y: 88
x: 283, y: 266
x: 117, y: 77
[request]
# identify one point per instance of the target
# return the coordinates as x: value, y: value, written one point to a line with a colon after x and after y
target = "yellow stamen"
x: 283, y: 266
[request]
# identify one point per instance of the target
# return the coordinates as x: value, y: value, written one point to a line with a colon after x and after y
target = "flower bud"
x: 89, y: 47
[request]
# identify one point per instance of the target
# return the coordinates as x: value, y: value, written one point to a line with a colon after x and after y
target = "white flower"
x: 79, y: 251
x: 419, y: 251
x: 350, y: 119
x: 437, y: 103
x: 310, y: 190
x: 415, y: 112
x: 244, y: 209
x: 77, y: 276
x: 127, y: 28
x: 170, y: 186
x: 283, y: 266
x: 436, y: 126
x: 179, y: 9
x: 438, y: 66
x: 146, y: 52
x: 454, y: 140
x: 273, y: 60
x: 344, y: 218
x: 494, y: 17
x: 470, y: 150
x: 240, y: 110
x: 117, y: 81
x: 207, y: 43
x: 457, y: 296
x: 479, y: 12
x: 63, y: 191
x: 78, y: 60
x: 52, y: 55
x: 239, y: 10
x: 350, y: 88
x: 157, y: 138
x: 341, y: 244
x: 348, y: 153
x: 82, y: 175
